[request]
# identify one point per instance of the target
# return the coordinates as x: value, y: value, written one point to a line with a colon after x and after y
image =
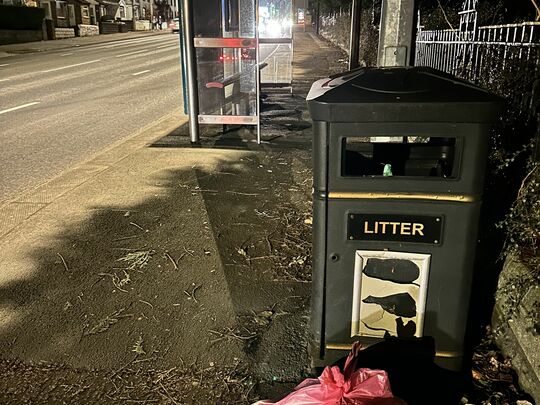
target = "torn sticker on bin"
x: 400, y: 271
x: 389, y: 293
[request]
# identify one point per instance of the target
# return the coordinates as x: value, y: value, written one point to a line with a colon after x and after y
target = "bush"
x: 21, y: 18
x: 522, y: 223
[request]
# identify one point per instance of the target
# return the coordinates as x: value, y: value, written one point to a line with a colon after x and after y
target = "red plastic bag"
x: 352, y: 387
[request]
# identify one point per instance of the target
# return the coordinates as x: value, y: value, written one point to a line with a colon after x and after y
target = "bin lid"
x: 402, y: 94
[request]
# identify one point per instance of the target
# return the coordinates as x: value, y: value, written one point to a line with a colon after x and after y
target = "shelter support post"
x: 191, y: 71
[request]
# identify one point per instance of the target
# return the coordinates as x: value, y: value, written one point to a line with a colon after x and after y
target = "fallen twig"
x: 137, y: 259
x: 137, y: 226
x: 189, y: 251
x: 105, y: 323
x: 122, y: 368
x: 63, y: 261
x: 191, y: 294
x: 127, y: 237
x: 164, y: 374
x: 172, y: 260
x: 117, y: 282
x: 262, y: 257
x: 231, y: 334
x: 147, y: 303
x: 168, y: 395
x: 239, y: 193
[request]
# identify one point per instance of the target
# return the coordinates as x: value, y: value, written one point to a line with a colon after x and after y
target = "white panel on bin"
x: 389, y: 293
x: 386, y: 139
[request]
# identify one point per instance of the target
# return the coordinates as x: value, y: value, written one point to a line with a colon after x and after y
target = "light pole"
x: 396, y: 33
x: 354, y: 48
x: 318, y: 17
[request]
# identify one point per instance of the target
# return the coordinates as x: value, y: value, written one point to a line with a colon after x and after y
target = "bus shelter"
x: 230, y: 50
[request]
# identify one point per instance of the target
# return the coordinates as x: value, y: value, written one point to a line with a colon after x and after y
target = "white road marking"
x: 140, y: 73
x: 157, y: 39
x: 4, y: 80
x: 171, y: 48
x: 165, y: 46
x: 70, y: 66
x: 134, y: 42
x: 127, y: 42
x: 118, y: 44
x: 132, y: 53
x: 67, y: 54
x: 4, y: 64
x: 19, y: 107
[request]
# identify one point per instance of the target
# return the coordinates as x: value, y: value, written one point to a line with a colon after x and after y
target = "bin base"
x: 333, y: 352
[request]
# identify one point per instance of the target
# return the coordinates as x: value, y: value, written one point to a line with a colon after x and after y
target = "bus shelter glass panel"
x: 278, y: 60
x: 224, y: 19
x: 227, y: 81
x: 226, y: 54
x: 275, y: 42
x: 275, y: 19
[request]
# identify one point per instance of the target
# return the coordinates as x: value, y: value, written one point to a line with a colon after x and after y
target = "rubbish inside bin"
x: 353, y: 386
x: 387, y: 170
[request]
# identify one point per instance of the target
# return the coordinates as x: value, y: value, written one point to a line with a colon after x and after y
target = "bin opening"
x: 408, y: 156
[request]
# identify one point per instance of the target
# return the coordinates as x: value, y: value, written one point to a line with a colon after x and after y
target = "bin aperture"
x: 423, y: 157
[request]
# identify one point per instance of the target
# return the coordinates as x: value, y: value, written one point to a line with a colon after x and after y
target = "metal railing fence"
x: 501, y: 57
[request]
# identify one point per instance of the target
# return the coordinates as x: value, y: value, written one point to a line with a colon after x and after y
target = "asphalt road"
x: 58, y: 108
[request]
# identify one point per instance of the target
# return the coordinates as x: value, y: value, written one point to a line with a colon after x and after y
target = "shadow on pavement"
x: 208, y: 269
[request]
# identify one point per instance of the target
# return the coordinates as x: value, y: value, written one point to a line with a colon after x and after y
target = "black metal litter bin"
x: 399, y: 162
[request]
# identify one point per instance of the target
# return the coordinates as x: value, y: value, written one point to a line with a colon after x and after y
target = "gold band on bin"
x: 354, y: 195
x: 347, y: 347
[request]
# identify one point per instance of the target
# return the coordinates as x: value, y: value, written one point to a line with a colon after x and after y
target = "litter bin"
x: 399, y: 162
